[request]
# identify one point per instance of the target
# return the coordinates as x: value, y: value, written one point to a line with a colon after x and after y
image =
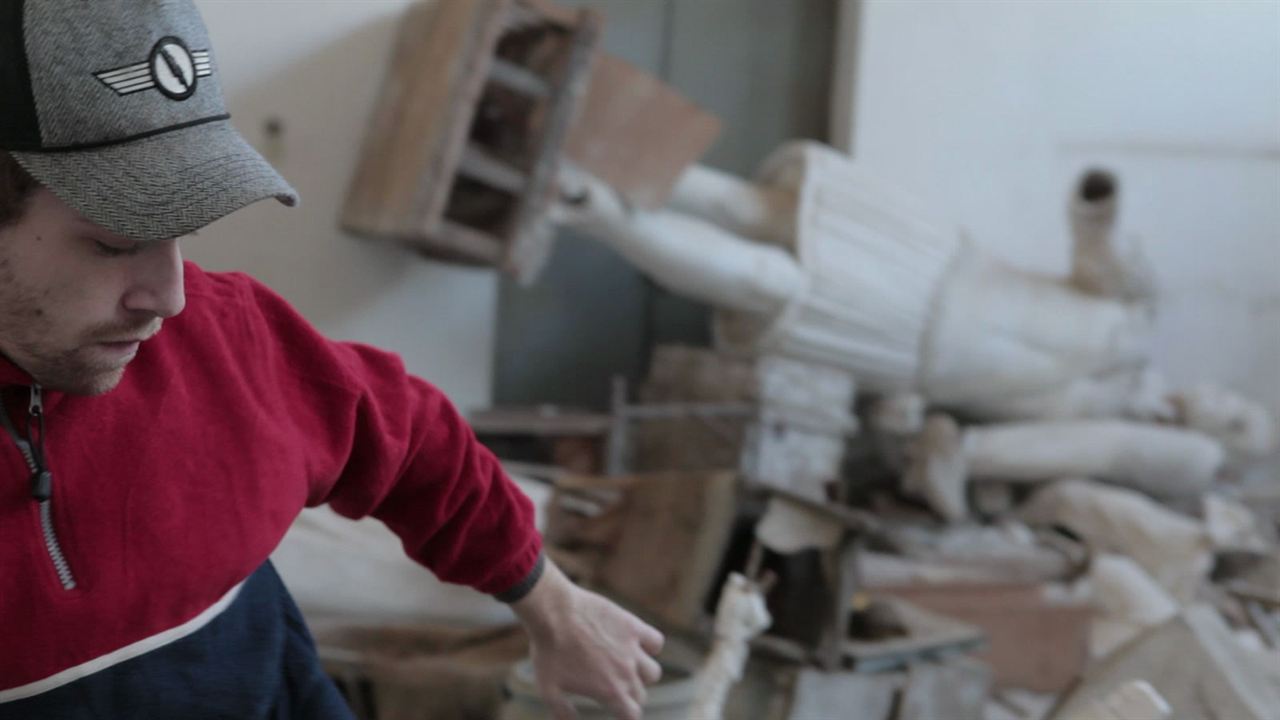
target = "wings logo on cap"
x: 171, y: 68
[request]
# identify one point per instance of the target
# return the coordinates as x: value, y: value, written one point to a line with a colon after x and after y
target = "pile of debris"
x: 1058, y: 593
x: 1039, y: 485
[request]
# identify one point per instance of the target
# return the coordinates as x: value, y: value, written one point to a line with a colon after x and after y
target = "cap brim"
x: 163, y: 186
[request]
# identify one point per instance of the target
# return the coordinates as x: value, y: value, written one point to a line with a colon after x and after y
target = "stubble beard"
x: 24, y: 331
x: 73, y: 373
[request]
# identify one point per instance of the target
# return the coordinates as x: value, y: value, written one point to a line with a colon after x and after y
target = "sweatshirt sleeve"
x: 386, y: 444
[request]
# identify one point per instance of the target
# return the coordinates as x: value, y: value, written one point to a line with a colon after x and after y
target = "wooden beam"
x: 514, y: 77
x: 478, y: 164
x: 466, y: 241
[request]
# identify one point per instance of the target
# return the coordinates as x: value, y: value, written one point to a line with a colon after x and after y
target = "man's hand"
x: 583, y: 644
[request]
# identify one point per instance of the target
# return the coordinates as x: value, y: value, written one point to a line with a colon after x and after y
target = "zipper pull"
x: 42, y: 485
x: 41, y: 477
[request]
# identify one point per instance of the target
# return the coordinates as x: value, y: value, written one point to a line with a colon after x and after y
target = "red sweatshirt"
x: 170, y: 491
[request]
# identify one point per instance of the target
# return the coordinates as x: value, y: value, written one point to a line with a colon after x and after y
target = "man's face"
x: 77, y: 300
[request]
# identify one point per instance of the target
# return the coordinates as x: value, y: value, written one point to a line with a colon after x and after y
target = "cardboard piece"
x: 637, y: 133
x: 1033, y: 644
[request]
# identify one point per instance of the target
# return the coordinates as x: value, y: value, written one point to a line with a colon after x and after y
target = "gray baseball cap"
x: 114, y: 105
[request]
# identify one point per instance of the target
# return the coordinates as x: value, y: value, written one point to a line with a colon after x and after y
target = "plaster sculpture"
x: 821, y: 262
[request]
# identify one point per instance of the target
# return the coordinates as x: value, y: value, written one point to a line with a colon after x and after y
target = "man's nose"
x: 157, y: 284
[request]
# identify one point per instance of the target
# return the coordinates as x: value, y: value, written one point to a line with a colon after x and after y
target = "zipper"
x: 32, y: 449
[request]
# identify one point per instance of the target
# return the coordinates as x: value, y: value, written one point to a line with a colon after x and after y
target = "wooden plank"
x: 409, y: 672
x: 929, y: 636
x: 839, y: 566
x: 637, y: 133
x: 520, y: 16
x: 779, y: 648
x: 511, y: 75
x: 478, y: 164
x: 675, y: 528
x: 529, y: 244
x: 467, y: 242
x: 558, y: 14
x: 434, y: 191
x: 540, y: 421
x: 666, y: 411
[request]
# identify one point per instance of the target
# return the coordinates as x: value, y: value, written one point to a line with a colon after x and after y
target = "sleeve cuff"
x: 519, y: 590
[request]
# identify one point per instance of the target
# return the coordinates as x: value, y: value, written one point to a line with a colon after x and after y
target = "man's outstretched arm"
x: 381, y: 442
x: 584, y: 644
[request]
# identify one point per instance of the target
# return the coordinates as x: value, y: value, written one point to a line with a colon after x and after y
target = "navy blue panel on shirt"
x: 255, y: 661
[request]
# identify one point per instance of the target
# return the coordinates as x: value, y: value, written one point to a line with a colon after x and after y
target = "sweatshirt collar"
x: 11, y: 374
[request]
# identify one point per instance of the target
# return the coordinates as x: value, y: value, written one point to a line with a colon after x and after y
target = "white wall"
x: 318, y: 65
x: 989, y: 110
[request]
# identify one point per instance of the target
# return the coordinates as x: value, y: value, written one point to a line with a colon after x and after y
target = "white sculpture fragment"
x: 1104, y: 263
x: 740, y: 616
x: 1162, y: 461
x: 1243, y: 427
x: 1196, y: 666
x: 1128, y: 599
x: 1131, y: 701
x: 1174, y: 549
x: 1232, y: 525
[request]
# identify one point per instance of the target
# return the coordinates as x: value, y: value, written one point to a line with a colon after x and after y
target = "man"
x: 163, y: 426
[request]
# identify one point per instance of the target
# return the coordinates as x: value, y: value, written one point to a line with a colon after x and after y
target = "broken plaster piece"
x: 1194, y: 662
x: 1174, y: 549
x: 1232, y: 525
x: 1131, y: 701
x: 1164, y: 462
x: 938, y: 472
x: 1129, y: 600
x: 788, y: 527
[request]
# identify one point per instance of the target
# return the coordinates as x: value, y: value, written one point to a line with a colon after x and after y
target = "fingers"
x: 649, y: 669
x: 561, y: 708
x: 625, y: 706
x: 638, y: 694
x: 650, y: 639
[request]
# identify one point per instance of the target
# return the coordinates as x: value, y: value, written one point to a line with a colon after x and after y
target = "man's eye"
x: 112, y: 251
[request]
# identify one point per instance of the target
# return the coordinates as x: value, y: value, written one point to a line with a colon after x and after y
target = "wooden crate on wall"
x: 462, y: 151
